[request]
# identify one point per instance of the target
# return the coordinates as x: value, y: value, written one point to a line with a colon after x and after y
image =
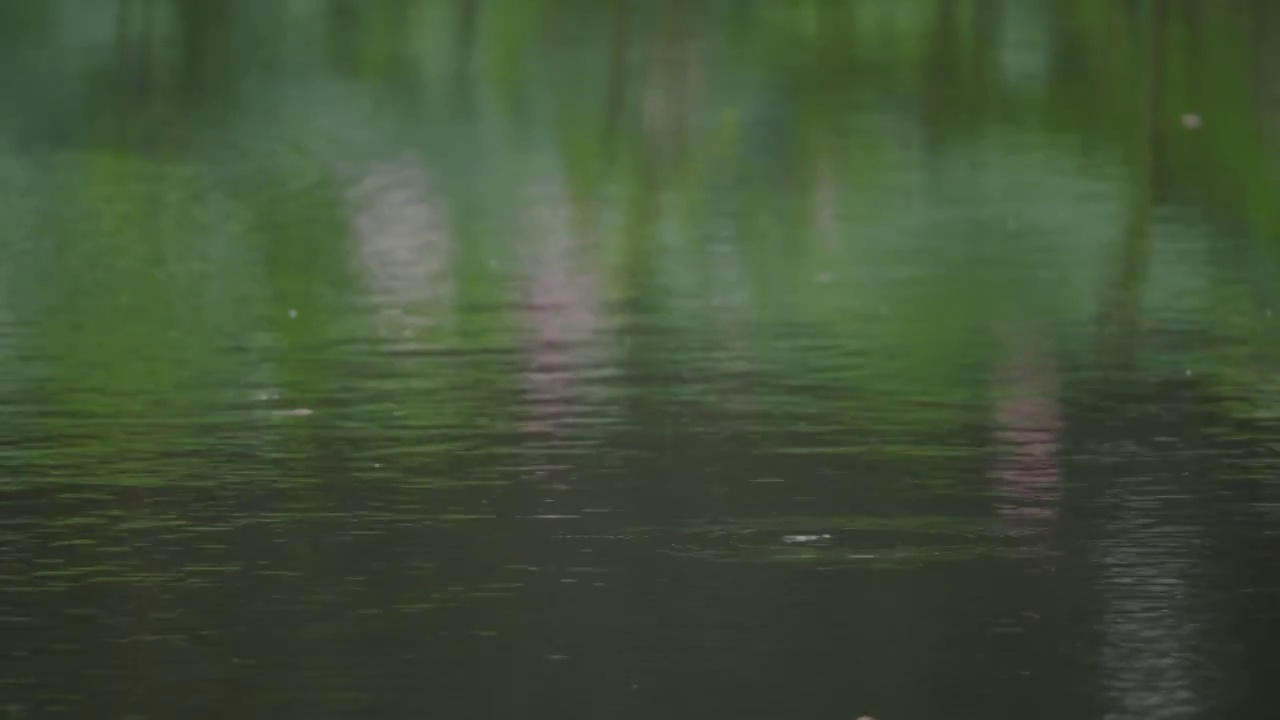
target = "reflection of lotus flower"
x: 563, y: 315
x: 1027, y: 427
x: 401, y: 240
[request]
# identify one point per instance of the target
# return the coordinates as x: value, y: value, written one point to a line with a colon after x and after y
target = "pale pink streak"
x: 1027, y: 426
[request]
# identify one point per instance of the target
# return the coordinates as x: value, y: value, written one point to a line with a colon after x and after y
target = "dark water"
x: 537, y: 359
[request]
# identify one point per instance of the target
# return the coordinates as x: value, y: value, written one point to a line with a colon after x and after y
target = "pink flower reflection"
x: 562, y: 318
x: 402, y: 242
x: 1027, y: 425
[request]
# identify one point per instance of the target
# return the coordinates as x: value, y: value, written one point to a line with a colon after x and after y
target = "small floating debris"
x: 796, y: 539
x: 292, y: 313
x: 1191, y: 121
x: 293, y: 412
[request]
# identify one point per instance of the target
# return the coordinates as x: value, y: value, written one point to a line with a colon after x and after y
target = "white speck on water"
x: 1188, y: 372
x: 292, y: 313
x: 805, y: 538
x: 293, y: 412
x: 1191, y: 121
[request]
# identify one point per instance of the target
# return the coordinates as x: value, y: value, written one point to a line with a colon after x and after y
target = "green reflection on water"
x: 988, y: 179
x: 393, y: 299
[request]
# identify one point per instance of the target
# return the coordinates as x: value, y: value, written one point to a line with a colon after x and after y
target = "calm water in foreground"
x: 532, y: 359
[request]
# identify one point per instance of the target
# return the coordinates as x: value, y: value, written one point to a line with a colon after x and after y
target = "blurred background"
x: 639, y: 358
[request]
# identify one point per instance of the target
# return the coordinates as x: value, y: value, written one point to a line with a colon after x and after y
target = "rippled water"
x: 531, y: 359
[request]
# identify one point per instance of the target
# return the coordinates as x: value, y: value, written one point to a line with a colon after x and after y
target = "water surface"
x: 639, y: 359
